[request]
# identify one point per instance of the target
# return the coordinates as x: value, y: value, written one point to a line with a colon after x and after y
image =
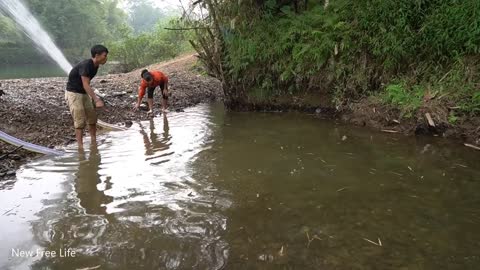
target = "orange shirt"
x: 158, y: 78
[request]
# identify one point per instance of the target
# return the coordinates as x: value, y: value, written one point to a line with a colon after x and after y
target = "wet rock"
x: 69, y: 141
x: 118, y: 94
x: 425, y: 129
x: 265, y: 258
x: 15, y: 157
x: 98, y: 93
x: 179, y: 110
x: 144, y: 107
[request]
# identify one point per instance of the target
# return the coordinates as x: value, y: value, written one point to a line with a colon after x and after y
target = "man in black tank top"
x: 80, y: 96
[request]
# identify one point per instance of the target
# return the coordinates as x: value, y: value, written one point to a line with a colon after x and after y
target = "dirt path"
x: 34, y: 110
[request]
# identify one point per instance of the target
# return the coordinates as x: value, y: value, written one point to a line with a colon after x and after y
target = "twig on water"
x: 90, y: 268
x: 376, y: 244
x: 342, y: 189
x: 399, y: 174
x: 472, y: 146
x: 461, y: 165
x: 311, y: 239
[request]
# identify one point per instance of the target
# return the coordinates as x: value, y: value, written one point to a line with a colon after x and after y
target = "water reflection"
x: 155, y: 143
x: 126, y: 212
x: 92, y: 197
x: 255, y: 191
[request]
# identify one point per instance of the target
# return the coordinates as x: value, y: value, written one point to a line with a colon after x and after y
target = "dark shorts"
x: 151, y: 89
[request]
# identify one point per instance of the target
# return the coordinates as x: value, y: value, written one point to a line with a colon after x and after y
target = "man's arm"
x: 89, y: 90
x: 141, y: 93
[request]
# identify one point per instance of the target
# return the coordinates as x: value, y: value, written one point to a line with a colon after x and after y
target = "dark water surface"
x: 206, y: 189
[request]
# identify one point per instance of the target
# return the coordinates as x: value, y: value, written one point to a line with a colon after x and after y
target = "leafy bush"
x: 408, y: 99
x: 151, y: 47
x: 350, y: 48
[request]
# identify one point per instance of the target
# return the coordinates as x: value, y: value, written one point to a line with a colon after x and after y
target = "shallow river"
x: 207, y: 189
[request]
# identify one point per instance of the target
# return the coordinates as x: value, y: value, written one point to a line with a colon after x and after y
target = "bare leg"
x: 79, y: 137
x: 81, y: 154
x: 150, y: 104
x: 164, y: 103
x: 93, y: 134
x: 165, y: 96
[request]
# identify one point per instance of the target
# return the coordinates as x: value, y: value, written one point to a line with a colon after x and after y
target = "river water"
x: 209, y: 189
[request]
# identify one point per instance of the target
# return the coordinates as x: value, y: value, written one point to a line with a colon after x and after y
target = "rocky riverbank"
x: 34, y: 110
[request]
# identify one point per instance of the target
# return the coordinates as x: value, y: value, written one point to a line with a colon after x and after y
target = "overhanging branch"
x: 185, y: 29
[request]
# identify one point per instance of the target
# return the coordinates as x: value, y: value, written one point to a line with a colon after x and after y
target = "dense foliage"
x: 398, y: 51
x: 135, y: 35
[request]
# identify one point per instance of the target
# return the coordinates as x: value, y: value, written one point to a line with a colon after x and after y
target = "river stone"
x: 15, y: 157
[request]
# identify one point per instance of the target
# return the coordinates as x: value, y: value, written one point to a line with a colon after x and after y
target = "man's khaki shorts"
x: 81, y: 108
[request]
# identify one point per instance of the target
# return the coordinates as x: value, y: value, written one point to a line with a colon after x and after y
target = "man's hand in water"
x: 136, y: 107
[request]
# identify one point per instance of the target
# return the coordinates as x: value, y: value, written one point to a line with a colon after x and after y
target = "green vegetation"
x: 144, y: 17
x: 400, y: 96
x: 404, y: 52
x: 150, y: 47
x: 135, y: 36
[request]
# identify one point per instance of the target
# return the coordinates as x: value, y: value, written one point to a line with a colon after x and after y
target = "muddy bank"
x: 431, y: 119
x: 34, y: 110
